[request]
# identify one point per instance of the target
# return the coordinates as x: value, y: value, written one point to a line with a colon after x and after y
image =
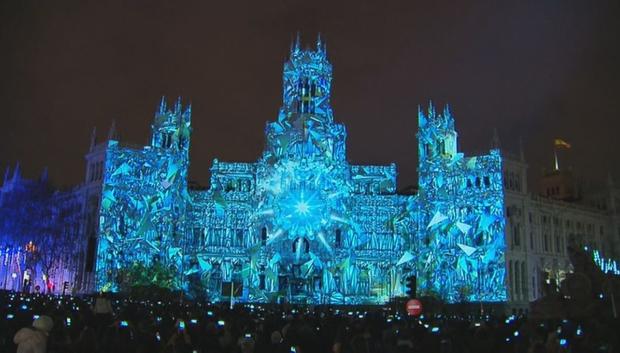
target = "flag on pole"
x: 561, y: 143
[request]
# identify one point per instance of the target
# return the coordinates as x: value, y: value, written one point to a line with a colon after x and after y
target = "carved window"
x: 338, y: 242
x: 239, y: 236
x: 261, y: 281
x: 516, y: 235
x: 305, y: 245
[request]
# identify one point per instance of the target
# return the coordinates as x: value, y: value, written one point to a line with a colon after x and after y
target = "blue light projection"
x: 607, y: 266
x: 144, y: 199
x: 461, y: 253
x: 301, y: 224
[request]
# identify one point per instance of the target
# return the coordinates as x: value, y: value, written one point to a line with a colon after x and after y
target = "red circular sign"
x: 414, y: 307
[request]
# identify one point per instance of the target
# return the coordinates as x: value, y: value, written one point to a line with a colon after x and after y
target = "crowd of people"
x: 98, y: 324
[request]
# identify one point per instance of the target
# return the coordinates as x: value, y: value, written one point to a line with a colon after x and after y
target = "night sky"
x: 535, y: 69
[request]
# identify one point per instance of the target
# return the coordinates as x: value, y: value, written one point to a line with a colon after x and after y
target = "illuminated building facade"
x: 301, y: 223
x: 40, y: 235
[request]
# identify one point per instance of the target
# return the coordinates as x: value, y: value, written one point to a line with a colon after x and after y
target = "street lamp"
x: 480, y: 284
x: 13, y: 276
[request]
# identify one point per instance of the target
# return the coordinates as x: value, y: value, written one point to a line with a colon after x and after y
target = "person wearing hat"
x: 34, y: 339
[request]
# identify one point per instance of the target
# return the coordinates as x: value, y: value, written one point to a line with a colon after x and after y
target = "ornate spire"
x: 495, y: 144
x: 188, y: 112
x: 297, y: 45
x: 112, y: 134
x: 93, y: 138
x: 162, y: 105
x: 16, y: 173
x: 431, y: 109
x: 44, y: 175
x: 177, y: 105
x: 320, y: 47
x: 6, y: 173
x: 421, y: 117
x: 447, y: 116
x: 446, y: 111
x: 307, y: 81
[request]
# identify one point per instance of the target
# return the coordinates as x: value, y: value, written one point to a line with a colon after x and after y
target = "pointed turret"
x: 307, y: 81
x: 6, y: 173
x: 297, y: 45
x: 44, y: 175
x: 446, y: 111
x: 495, y: 144
x: 447, y: 115
x: 421, y: 118
x: 162, y: 105
x: 436, y: 135
x: 17, y: 172
x: 320, y: 48
x: 431, y: 110
x: 187, y: 114
x: 171, y: 127
x: 112, y: 135
x: 93, y: 138
x: 178, y: 106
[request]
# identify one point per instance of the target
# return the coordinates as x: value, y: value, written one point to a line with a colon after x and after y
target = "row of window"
x: 548, y: 243
x: 553, y: 191
x: 308, y: 90
x: 238, y: 239
x: 95, y: 171
x: 512, y: 181
x: 439, y: 146
x: 517, y: 279
x: 370, y: 188
x: 486, y: 181
x: 238, y: 185
x: 167, y: 140
x: 544, y: 219
x: 557, y: 244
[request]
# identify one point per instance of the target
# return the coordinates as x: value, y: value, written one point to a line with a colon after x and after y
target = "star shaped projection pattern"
x: 304, y: 200
x: 302, y: 213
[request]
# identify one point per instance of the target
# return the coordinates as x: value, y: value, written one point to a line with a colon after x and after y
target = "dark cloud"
x: 530, y: 68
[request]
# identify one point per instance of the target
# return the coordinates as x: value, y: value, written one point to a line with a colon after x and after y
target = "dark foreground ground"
x: 156, y: 326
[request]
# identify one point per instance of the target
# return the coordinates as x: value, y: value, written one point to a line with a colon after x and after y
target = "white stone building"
x: 540, y: 225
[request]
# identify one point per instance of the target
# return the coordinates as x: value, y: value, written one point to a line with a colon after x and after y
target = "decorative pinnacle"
x: 162, y: 105
x: 297, y: 44
x: 44, y: 175
x: 431, y: 109
x: 6, y: 173
x: 446, y: 111
x: 16, y: 173
x: 495, y: 141
x: 177, y: 105
x: 93, y: 138
x: 112, y: 131
x: 319, y: 44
